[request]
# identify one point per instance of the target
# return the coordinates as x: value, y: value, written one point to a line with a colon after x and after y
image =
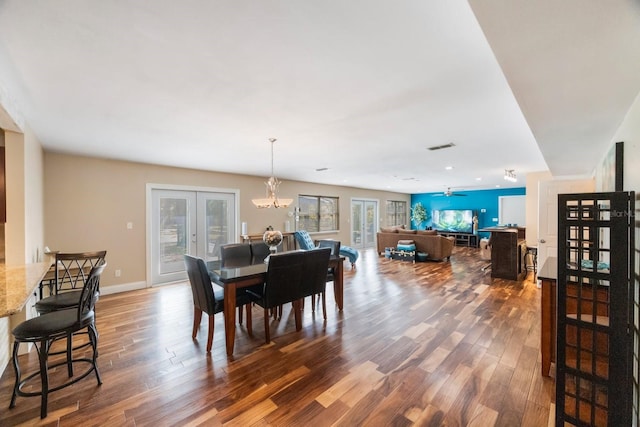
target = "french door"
x: 364, y: 220
x: 188, y: 222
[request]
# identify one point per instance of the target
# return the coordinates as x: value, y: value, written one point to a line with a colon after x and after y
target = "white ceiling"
x: 359, y: 87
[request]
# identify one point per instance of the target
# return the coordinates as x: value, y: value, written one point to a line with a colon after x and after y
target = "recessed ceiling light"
x: 448, y: 168
x: 479, y: 179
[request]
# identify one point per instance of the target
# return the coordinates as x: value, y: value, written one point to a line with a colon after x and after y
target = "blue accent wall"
x: 474, y: 200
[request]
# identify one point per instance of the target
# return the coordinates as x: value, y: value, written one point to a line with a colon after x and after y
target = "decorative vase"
x: 272, y: 238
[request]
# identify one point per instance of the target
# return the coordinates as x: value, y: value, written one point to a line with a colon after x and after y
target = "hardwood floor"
x: 435, y: 343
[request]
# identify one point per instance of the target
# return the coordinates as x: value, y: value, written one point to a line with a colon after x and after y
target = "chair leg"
x: 267, y: 335
x: 197, y: 317
x: 43, y: 354
x: 313, y: 303
x: 297, y: 309
x: 324, y: 306
x: 240, y: 315
x: 93, y: 337
x: 16, y: 368
x: 249, y: 320
x: 210, y: 338
x: 70, y: 354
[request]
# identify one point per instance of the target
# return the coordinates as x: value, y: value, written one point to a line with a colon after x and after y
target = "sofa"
x: 436, y: 246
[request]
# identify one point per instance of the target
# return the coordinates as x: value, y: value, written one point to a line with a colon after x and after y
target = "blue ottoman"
x: 350, y: 253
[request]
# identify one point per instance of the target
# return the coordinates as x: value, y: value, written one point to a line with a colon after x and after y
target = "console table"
x: 288, y: 240
x: 462, y: 239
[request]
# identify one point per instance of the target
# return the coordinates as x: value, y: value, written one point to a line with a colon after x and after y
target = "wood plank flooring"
x: 433, y: 344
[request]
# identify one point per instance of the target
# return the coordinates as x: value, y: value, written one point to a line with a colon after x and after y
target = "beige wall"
x: 89, y: 201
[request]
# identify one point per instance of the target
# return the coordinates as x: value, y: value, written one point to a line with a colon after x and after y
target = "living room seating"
x: 427, y: 241
x: 43, y: 330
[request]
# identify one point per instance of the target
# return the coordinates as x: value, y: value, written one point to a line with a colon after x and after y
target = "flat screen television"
x: 453, y: 220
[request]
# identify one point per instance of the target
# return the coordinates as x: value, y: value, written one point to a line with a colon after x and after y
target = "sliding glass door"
x: 364, y: 220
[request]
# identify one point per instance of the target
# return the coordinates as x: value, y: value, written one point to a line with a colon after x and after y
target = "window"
x: 318, y: 213
x: 396, y: 213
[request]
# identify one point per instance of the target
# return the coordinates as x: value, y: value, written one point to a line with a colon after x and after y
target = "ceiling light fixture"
x: 272, y: 190
x: 510, y: 175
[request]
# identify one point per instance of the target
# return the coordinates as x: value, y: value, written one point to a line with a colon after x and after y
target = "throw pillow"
x: 388, y: 229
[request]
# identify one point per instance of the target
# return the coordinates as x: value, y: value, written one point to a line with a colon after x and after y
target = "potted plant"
x: 419, y: 214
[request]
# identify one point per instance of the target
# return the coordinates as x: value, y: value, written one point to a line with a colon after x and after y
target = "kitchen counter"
x: 17, y: 284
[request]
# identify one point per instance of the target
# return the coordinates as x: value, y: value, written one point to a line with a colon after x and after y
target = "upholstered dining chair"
x: 238, y: 255
x: 315, y: 268
x: 235, y: 254
x: 43, y: 330
x: 334, y: 245
x: 71, y: 271
x: 209, y: 298
x: 282, y: 285
x: 259, y: 252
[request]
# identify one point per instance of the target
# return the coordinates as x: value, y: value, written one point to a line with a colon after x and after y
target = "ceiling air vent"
x: 440, y: 147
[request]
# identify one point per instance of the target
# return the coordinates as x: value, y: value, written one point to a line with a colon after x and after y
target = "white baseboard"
x: 114, y: 289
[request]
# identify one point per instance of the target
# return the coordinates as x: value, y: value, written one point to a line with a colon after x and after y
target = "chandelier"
x: 272, y: 190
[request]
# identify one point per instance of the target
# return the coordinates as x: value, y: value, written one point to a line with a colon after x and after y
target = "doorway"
x: 364, y: 219
x: 194, y: 222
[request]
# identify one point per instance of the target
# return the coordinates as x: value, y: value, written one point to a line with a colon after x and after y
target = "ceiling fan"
x: 449, y: 193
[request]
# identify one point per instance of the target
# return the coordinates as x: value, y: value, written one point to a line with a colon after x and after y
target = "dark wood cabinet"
x: 508, y: 251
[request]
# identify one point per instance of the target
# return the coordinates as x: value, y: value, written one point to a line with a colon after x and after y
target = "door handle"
x: 542, y: 241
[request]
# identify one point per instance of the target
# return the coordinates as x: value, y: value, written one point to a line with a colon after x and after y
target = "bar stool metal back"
x: 43, y: 330
x: 70, y: 274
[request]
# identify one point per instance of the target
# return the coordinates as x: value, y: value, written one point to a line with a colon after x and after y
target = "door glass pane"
x: 174, y: 234
x: 218, y: 227
x: 370, y: 223
x: 356, y: 223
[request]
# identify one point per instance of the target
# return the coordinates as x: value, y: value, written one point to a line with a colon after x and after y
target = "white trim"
x: 116, y: 289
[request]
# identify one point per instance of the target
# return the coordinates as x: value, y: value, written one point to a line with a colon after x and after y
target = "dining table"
x: 233, y: 278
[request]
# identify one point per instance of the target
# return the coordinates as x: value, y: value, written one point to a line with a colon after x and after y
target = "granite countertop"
x: 17, y: 284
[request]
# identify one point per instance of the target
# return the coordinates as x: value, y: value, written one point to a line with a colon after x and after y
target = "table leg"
x: 338, y: 284
x: 230, y: 316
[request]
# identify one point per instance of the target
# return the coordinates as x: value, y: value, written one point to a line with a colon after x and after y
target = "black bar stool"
x: 43, y: 330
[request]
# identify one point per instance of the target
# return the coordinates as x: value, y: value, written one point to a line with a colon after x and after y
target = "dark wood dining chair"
x: 334, y: 245
x: 315, y: 268
x: 43, y: 330
x: 235, y: 254
x: 238, y: 255
x: 282, y: 285
x: 259, y: 251
x: 71, y: 271
x: 208, y: 297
